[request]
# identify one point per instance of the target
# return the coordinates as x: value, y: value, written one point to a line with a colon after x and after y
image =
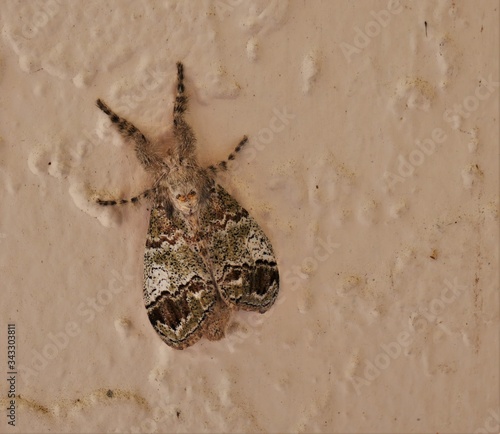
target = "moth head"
x: 185, y: 184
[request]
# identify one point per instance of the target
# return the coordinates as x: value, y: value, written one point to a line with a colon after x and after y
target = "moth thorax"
x: 184, y: 190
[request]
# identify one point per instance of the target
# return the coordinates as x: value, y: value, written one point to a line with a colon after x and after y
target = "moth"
x: 205, y: 256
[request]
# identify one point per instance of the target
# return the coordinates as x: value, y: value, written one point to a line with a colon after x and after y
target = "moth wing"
x: 178, y: 289
x: 241, y: 255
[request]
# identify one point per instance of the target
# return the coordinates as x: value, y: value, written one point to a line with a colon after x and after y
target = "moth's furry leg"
x: 150, y: 161
x: 222, y: 166
x: 184, y: 134
x: 135, y: 199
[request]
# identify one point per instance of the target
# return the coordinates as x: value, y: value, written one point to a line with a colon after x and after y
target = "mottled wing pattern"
x: 178, y: 291
x: 241, y: 256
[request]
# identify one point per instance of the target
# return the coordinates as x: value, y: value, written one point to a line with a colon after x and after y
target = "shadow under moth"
x: 205, y: 255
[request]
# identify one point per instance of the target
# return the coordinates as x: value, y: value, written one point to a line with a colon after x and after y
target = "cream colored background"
x: 387, y: 319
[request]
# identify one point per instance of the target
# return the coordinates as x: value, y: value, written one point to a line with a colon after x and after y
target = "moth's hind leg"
x: 134, y: 199
x: 222, y: 166
x: 186, y: 139
x: 143, y: 150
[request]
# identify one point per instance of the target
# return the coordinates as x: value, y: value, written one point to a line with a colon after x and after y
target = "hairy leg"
x: 223, y: 164
x: 186, y: 139
x: 146, y: 156
x: 134, y: 199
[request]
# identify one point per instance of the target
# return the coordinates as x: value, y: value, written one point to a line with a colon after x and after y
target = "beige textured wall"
x: 372, y: 166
